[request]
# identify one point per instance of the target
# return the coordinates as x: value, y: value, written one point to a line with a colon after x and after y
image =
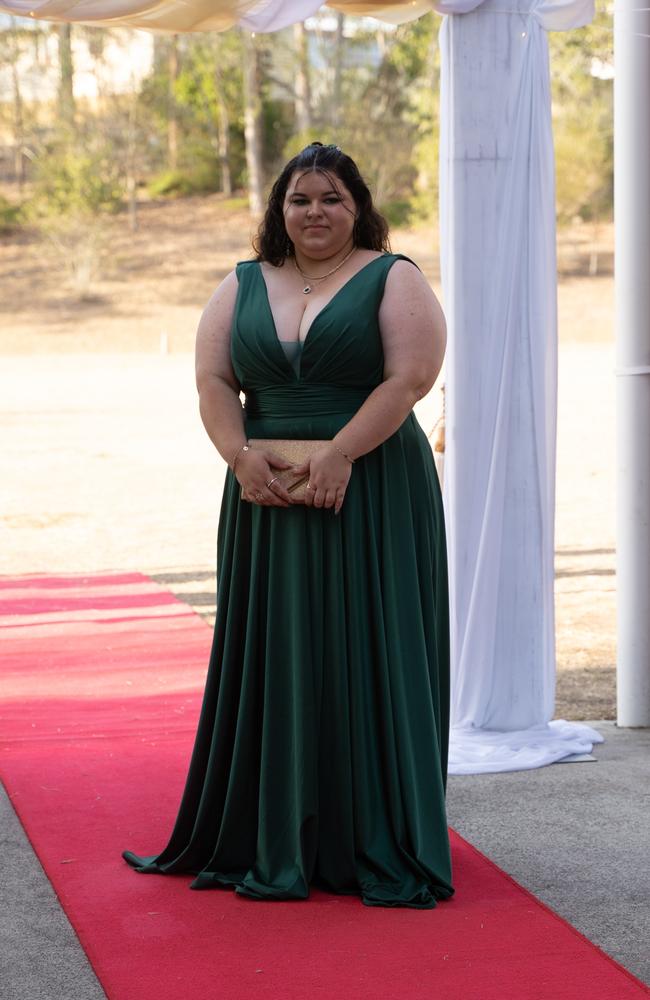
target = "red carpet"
x: 101, y: 684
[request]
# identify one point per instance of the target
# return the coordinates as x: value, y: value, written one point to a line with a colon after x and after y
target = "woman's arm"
x: 414, y: 337
x: 219, y: 404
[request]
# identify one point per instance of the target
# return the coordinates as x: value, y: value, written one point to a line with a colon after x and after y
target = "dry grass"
x: 155, y: 281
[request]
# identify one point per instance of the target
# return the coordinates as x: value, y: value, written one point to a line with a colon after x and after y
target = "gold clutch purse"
x: 297, y: 452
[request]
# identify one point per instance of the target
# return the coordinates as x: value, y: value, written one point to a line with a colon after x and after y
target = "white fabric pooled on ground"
x: 476, y: 751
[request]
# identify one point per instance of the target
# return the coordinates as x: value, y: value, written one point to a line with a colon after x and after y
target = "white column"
x: 632, y: 216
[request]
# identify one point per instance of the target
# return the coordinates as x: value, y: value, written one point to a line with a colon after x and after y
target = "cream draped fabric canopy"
x: 497, y: 220
x: 207, y: 15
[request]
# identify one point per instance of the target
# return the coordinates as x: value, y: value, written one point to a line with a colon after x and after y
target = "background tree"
x: 384, y: 111
x: 173, y: 69
x: 253, y: 123
x: 222, y: 112
x: 302, y: 78
x: 210, y: 89
x: 13, y: 44
x: 337, y: 64
x: 582, y: 80
x: 223, y: 121
x: 66, y: 75
x: 76, y: 183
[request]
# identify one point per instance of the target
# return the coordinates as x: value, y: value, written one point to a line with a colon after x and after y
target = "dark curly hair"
x: 370, y: 231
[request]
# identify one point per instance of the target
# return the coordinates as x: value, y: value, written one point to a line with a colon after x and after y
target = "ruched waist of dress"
x: 304, y: 399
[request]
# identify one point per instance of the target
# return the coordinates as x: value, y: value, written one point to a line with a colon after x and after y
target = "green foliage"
x: 10, y: 216
x: 424, y: 114
x: 374, y: 91
x: 277, y: 130
x: 211, y: 73
x: 208, y: 90
x: 156, y: 104
x: 77, y: 185
x: 411, y: 49
x: 397, y: 213
x: 170, y: 183
x: 387, y: 119
x: 583, y: 119
x: 75, y: 176
x: 390, y: 123
x: 179, y: 183
x: 298, y: 141
x: 424, y: 202
x: 584, y: 167
x: 237, y: 204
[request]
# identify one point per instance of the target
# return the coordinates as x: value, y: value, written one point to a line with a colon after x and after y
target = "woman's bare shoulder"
x: 218, y: 312
x: 223, y: 295
x: 227, y: 284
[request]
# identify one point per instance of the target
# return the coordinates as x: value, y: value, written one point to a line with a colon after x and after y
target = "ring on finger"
x: 259, y: 495
x: 271, y: 481
x: 310, y: 487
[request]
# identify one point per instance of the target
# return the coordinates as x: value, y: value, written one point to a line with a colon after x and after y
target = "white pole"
x: 632, y: 217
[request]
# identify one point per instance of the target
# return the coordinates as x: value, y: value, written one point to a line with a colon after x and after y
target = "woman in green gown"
x: 321, y: 752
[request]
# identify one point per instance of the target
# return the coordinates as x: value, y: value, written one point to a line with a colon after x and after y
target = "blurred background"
x: 133, y: 168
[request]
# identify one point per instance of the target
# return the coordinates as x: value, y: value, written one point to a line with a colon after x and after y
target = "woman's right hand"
x: 256, y: 471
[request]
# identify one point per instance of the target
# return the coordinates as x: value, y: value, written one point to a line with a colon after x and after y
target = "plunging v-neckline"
x: 320, y: 311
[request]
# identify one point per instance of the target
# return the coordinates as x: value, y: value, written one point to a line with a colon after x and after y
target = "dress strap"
x: 400, y: 256
x: 244, y: 268
x: 389, y: 259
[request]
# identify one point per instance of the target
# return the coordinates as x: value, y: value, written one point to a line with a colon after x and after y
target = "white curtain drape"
x: 497, y: 208
x: 497, y: 201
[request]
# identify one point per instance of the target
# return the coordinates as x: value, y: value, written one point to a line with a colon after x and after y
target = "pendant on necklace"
x: 306, y: 290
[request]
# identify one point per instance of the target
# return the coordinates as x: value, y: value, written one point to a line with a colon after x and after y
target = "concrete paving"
x: 576, y: 835
x: 40, y: 954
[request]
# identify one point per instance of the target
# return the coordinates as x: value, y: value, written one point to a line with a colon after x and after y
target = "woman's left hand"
x: 329, y: 474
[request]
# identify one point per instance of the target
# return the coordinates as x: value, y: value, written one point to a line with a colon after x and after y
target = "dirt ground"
x: 106, y: 465
x: 154, y: 282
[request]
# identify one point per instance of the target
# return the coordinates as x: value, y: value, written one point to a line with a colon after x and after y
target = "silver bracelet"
x: 244, y: 447
x: 350, y: 460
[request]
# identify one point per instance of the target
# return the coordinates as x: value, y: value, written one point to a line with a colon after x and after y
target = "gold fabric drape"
x: 207, y: 15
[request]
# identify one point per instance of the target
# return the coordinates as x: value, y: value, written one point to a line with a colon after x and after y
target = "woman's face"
x: 319, y: 214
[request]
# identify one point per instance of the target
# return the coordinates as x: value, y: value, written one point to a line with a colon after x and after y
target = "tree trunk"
x: 19, y: 129
x: 66, y: 74
x: 132, y: 159
x: 223, y: 124
x: 172, y: 111
x: 160, y: 48
x: 303, y: 83
x: 337, y: 89
x: 594, y: 258
x: 253, y: 125
x: 223, y: 127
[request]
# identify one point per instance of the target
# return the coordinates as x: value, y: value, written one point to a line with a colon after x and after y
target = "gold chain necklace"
x: 315, y: 281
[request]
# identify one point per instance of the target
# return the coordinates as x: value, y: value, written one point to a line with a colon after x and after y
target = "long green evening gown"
x: 321, y: 752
